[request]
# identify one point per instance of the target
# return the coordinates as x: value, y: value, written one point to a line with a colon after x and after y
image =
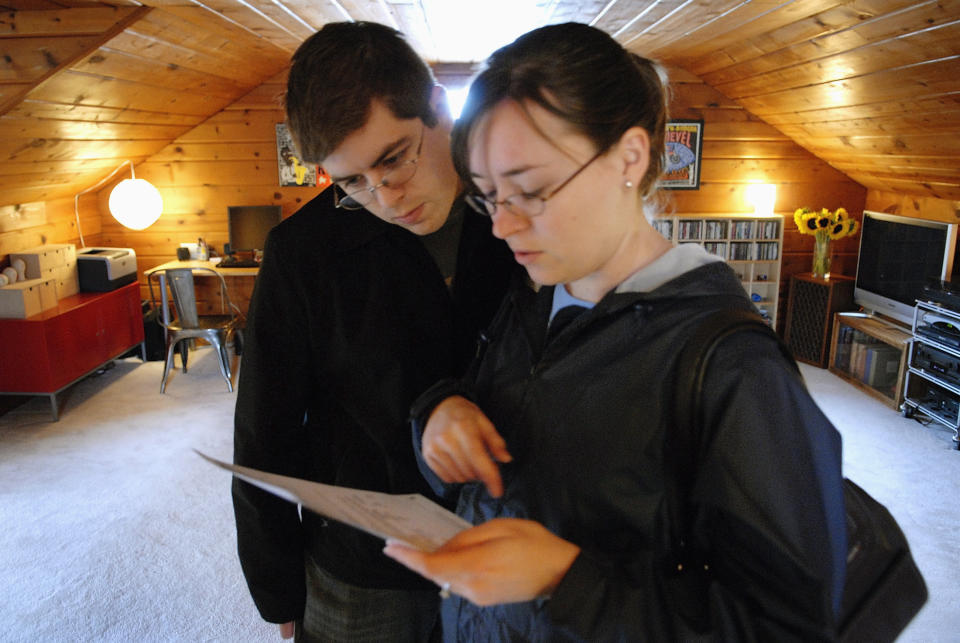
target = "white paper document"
x: 410, y: 518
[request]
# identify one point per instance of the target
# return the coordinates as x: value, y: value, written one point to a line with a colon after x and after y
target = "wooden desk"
x: 239, y: 285
x: 193, y: 263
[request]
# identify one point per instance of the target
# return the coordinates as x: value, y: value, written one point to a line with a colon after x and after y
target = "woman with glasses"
x: 556, y: 446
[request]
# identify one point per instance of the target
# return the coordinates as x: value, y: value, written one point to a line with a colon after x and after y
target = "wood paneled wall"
x: 739, y: 149
x: 231, y: 159
x: 913, y: 206
x: 60, y: 227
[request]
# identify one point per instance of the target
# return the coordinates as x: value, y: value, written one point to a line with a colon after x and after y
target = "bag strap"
x: 685, y: 442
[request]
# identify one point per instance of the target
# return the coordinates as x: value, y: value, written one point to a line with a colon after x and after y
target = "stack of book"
x: 868, y: 359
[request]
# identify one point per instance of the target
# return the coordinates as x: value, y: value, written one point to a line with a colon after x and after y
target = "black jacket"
x: 586, y: 418
x: 349, y: 321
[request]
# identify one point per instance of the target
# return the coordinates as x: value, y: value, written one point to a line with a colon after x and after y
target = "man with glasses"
x: 370, y: 293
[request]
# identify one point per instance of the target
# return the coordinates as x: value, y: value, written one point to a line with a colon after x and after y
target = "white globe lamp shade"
x: 135, y: 203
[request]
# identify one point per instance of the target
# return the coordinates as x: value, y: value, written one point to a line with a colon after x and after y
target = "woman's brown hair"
x: 582, y: 75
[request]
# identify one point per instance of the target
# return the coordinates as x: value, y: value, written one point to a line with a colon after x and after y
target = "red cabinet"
x: 44, y: 354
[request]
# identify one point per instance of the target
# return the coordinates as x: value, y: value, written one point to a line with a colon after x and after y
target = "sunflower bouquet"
x: 824, y: 223
x: 824, y: 226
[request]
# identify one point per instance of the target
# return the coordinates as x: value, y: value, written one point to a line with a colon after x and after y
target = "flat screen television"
x: 898, y: 256
x: 249, y: 225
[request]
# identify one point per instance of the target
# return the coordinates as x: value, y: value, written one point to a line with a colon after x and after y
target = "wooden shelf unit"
x: 870, y: 353
x: 751, y: 245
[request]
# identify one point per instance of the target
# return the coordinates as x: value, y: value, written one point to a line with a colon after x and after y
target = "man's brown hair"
x: 337, y: 72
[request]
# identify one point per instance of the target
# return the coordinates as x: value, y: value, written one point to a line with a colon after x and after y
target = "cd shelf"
x: 751, y: 245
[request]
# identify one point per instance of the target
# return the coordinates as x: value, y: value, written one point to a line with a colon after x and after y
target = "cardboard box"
x: 21, y: 299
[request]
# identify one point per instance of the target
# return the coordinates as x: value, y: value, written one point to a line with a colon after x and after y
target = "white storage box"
x: 69, y: 252
x: 48, y: 293
x: 67, y: 280
x: 43, y: 258
x: 20, y: 299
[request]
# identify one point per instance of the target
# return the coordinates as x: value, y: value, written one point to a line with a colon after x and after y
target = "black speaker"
x: 810, y: 309
x: 153, y: 336
x: 183, y: 253
x: 153, y: 340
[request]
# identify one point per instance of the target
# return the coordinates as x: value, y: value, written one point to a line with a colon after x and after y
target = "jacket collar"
x: 709, y: 281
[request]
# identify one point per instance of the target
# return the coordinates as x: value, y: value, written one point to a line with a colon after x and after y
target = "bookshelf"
x: 751, y: 245
x: 871, y: 354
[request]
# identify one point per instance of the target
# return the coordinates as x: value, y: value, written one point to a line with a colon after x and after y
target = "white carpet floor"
x: 112, y: 529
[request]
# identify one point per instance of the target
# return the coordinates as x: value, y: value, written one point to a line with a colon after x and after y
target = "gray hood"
x: 673, y: 263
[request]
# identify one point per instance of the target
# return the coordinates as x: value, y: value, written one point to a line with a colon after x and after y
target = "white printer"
x: 104, y: 269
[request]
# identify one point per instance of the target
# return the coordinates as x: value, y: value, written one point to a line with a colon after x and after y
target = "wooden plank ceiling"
x: 872, y: 87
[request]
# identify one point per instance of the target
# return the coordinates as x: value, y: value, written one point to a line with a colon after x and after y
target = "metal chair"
x: 217, y: 329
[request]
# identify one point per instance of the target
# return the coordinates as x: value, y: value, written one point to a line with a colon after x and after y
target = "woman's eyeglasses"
x: 523, y: 204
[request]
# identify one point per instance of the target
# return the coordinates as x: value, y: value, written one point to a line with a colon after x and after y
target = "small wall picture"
x: 292, y: 171
x: 683, y: 142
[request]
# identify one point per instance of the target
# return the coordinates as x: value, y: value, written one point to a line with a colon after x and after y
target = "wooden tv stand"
x: 858, y: 339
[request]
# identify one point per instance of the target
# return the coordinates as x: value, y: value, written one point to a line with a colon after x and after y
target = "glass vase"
x: 821, y: 256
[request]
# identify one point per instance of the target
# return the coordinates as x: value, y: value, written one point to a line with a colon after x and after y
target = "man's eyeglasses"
x: 358, y: 196
x: 523, y: 204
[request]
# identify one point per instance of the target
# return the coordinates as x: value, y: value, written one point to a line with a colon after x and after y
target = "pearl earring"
x: 628, y: 184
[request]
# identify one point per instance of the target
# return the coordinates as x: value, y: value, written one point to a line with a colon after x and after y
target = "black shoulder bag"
x: 884, y: 589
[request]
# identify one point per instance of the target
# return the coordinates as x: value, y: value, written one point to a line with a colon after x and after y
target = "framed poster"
x: 683, y: 155
x: 292, y: 171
